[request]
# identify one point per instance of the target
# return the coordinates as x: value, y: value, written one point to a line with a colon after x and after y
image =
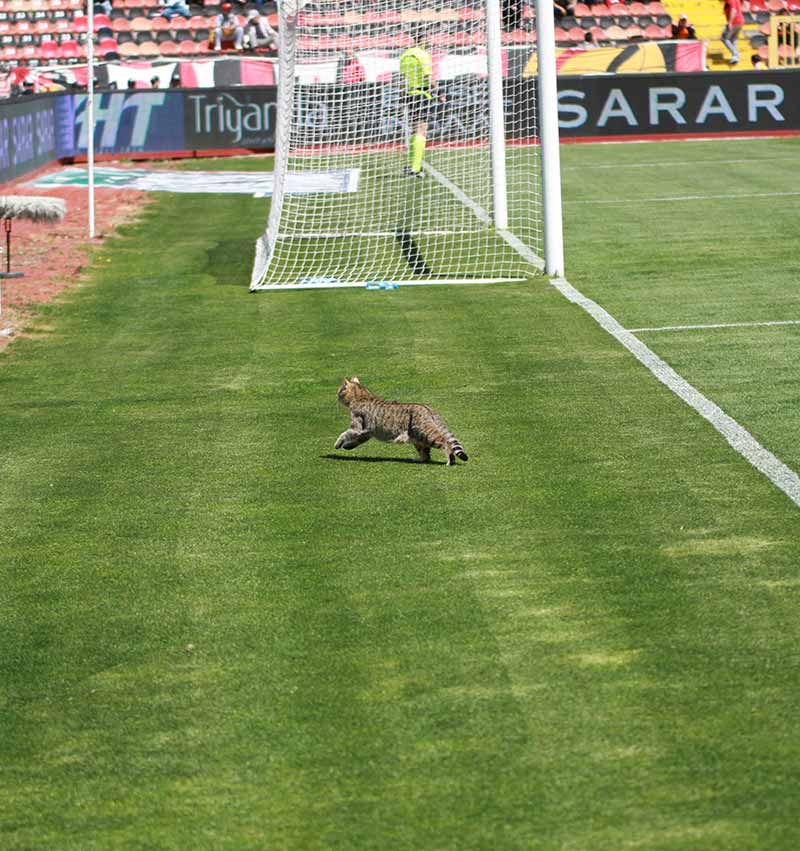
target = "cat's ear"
x: 355, y: 380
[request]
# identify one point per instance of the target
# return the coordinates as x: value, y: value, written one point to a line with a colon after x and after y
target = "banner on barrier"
x: 36, y: 131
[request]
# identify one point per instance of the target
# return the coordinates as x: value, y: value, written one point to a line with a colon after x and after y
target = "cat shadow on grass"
x: 378, y: 459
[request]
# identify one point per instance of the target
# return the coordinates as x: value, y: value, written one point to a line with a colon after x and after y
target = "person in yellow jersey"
x: 416, y: 68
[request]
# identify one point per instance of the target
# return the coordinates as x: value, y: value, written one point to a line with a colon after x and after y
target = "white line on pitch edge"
x: 683, y: 198
x: 783, y: 477
x: 717, y: 325
x: 670, y: 164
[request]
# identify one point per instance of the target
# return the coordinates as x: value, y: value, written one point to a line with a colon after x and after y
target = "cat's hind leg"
x: 424, y: 453
x: 351, y: 438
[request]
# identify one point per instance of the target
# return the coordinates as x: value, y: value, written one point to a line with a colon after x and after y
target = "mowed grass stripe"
x: 545, y: 647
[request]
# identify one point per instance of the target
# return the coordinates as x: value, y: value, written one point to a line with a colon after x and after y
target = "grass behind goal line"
x: 218, y: 633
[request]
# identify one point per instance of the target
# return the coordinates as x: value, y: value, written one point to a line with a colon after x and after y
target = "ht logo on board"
x: 141, y: 121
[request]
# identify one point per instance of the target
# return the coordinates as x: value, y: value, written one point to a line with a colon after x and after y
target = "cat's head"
x: 349, y: 390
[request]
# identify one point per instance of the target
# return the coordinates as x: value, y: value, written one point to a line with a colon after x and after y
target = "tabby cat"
x: 394, y: 422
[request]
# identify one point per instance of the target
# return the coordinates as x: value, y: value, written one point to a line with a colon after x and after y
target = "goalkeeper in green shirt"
x: 416, y: 68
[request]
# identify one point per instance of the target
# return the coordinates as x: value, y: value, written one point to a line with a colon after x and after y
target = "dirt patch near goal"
x: 52, y: 257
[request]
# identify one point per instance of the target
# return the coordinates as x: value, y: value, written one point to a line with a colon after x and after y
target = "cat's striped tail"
x: 456, y: 448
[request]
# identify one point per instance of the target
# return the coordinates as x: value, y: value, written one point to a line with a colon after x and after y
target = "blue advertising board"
x: 28, y: 132
x: 130, y: 122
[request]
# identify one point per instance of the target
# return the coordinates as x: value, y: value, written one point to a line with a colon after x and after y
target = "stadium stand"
x: 55, y: 31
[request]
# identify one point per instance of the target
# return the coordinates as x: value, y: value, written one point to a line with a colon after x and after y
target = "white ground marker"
x: 768, y: 324
x: 784, y: 478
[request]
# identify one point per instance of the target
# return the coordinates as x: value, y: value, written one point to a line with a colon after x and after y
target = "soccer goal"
x: 413, y: 145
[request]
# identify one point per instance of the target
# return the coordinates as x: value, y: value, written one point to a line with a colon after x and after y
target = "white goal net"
x: 406, y: 146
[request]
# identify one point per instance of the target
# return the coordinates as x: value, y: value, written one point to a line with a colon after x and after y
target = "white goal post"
x: 413, y: 145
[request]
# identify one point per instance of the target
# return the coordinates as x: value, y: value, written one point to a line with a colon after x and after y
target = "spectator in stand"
x: 511, y: 12
x: 228, y: 30
x: 172, y: 8
x: 352, y: 70
x: 758, y: 63
x: 155, y: 83
x: 589, y: 41
x: 683, y: 29
x: 561, y: 8
x: 734, y: 20
x: 259, y: 34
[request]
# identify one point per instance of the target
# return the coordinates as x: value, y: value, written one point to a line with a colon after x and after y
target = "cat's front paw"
x: 340, y: 442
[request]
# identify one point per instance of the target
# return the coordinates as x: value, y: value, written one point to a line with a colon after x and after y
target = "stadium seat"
x: 148, y: 48
x: 70, y: 50
x: 168, y: 48
x: 198, y: 22
x: 188, y: 48
x: 653, y: 32
x: 128, y: 50
x: 616, y: 33
x: 637, y: 9
x: 160, y: 24
x: 576, y: 35
x: 141, y: 24
x: 49, y: 50
x: 775, y: 7
x: 107, y: 45
x: 10, y: 53
x: 121, y: 25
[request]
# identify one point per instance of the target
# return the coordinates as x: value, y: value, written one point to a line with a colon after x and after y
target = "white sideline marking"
x: 718, y: 325
x: 670, y: 164
x: 684, y: 198
x: 784, y: 478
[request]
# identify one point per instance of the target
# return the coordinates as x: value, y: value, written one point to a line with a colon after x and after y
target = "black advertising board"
x: 238, y: 117
x: 686, y: 104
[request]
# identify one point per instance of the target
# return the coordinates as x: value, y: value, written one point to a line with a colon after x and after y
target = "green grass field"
x: 219, y: 633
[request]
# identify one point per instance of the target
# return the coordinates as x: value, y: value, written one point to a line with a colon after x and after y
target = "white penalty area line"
x: 662, y: 198
x: 768, y: 324
x: 784, y: 478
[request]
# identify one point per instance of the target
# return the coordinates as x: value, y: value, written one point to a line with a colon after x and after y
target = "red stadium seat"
x: 160, y: 24
x: 637, y: 9
x: 581, y: 10
x: 49, y: 50
x: 653, y: 32
x: 70, y: 50
x: 128, y: 50
x: 168, y: 48
x: 141, y: 25
x: 188, y: 48
x: 107, y: 45
x: 561, y: 35
x: 576, y: 35
x: 199, y: 22
x: 121, y: 25
x: 10, y: 53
